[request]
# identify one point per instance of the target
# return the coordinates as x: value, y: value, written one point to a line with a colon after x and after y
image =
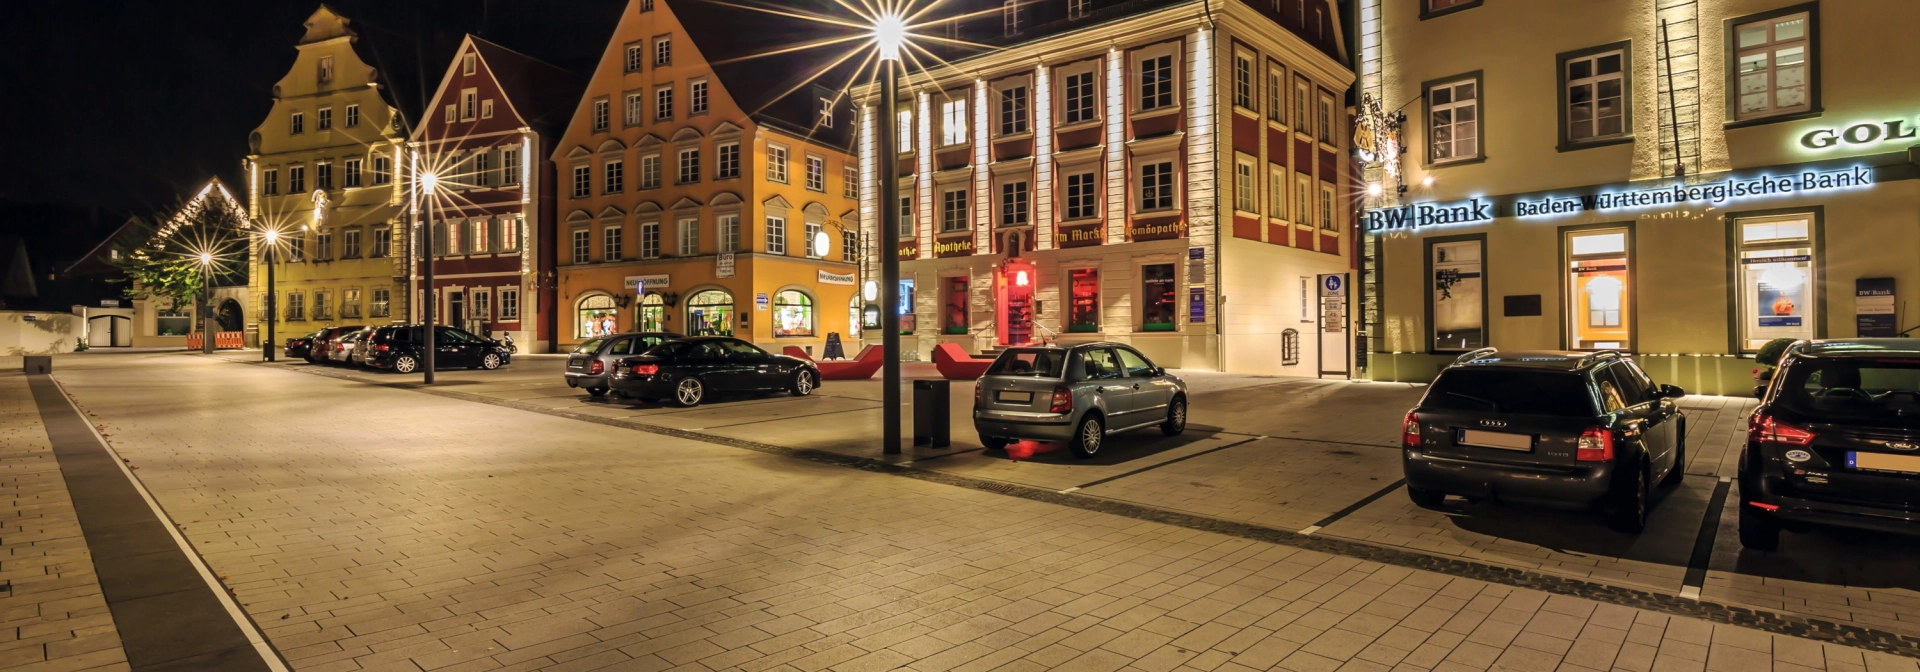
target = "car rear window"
x: 1870, y: 391
x: 1030, y: 362
x: 1507, y: 391
x: 590, y: 346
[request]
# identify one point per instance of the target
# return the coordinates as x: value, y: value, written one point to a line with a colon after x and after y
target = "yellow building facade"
x: 324, y: 172
x: 695, y: 200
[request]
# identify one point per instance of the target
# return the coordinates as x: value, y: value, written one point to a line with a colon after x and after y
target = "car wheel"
x: 1630, y: 508
x: 597, y: 391
x: 803, y: 383
x: 405, y: 364
x: 1679, y: 457
x: 1088, y: 437
x: 995, y: 442
x: 1176, y: 418
x: 490, y: 362
x: 1426, y: 499
x: 689, y: 392
x: 1758, y: 531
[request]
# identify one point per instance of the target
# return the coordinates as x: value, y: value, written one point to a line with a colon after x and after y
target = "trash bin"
x: 932, y: 412
x: 44, y: 364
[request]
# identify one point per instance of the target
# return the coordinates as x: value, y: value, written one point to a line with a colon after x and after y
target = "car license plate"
x: 1503, y: 441
x: 1905, y: 464
x: 1014, y: 397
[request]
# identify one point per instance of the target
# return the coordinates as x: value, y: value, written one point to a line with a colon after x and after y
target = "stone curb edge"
x: 1794, y: 626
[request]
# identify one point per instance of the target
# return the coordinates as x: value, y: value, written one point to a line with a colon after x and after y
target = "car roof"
x: 1069, y: 346
x: 1859, y: 347
x: 1534, y: 360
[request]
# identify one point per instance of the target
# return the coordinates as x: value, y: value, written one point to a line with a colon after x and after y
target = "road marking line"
x: 240, y: 618
x: 1151, y: 467
x: 1690, y: 592
x: 1310, y: 529
x: 1356, y: 506
x: 1696, y: 576
x: 1069, y: 490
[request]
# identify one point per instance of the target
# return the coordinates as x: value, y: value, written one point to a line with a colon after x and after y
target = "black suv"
x: 1835, y: 441
x: 1564, y: 429
x: 398, y: 348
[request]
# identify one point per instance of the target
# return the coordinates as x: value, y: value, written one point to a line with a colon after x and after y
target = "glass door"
x: 1776, y: 280
x: 1599, y: 290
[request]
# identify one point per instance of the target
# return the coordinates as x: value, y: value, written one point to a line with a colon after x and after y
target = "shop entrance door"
x: 1013, y: 289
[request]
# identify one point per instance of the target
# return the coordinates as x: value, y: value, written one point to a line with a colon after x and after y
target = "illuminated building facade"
x: 486, y: 136
x: 325, y: 170
x: 1552, y: 201
x: 1169, y: 174
x: 706, y: 192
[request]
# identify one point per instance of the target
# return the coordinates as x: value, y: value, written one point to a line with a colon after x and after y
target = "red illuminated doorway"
x: 1013, y: 300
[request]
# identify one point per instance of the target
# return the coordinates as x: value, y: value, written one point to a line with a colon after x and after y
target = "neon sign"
x: 1857, y: 134
x: 1422, y: 215
x: 1713, y: 193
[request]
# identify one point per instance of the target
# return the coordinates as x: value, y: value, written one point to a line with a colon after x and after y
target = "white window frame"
x: 469, y: 64
x: 509, y: 166
x: 1277, y: 95
x: 810, y: 232
x: 850, y: 181
x: 1453, y: 106
x: 353, y: 176
x: 776, y: 235
x: 509, y: 304
x: 687, y: 237
x: 776, y: 163
x: 1302, y: 122
x: 1140, y: 59
x: 297, y: 123
x: 1078, y: 9
x: 324, y: 72
x: 1010, y: 17
x: 1303, y: 199
x: 613, y: 176
x: 469, y: 104
x: 954, y: 121
x: 1593, y: 81
x: 650, y: 171
x: 635, y: 113
x: 1245, y: 198
x: 582, y: 246
x: 1245, y: 89
x: 1329, y: 215
x: 954, y: 210
x: 649, y: 240
x: 727, y: 232
x: 323, y: 119
x: 662, y: 51
x: 601, y: 111
x: 1091, y: 70
x: 1139, y: 175
x: 1013, y: 190
x: 696, y: 97
x: 486, y: 109
x: 825, y: 112
x: 582, y: 181
x: 270, y: 179
x: 687, y: 161
x: 903, y: 131
x: 1770, y: 50
x: 726, y: 160
x: 636, y: 57
x: 663, y: 102
x: 380, y: 302
x: 1325, y: 134
x: 1091, y: 186
x: 1277, y: 187
x: 816, y: 173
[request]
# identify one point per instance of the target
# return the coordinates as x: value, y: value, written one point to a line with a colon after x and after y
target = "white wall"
x: 38, y: 333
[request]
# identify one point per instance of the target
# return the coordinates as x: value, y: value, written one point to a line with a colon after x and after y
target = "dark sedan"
x: 590, y: 365
x: 1835, y: 442
x: 323, y: 340
x: 690, y: 369
x: 401, y: 349
x: 300, y: 346
x: 1558, y: 429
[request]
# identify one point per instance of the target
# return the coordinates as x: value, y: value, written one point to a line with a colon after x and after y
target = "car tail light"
x: 598, y: 367
x: 380, y: 348
x: 1765, y: 506
x: 1596, y: 445
x: 645, y: 369
x: 1410, y: 431
x: 978, y: 394
x: 1766, y: 428
x: 1062, y: 401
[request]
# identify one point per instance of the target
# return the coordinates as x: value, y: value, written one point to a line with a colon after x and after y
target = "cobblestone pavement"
x: 373, y: 528
x: 52, y: 613
x: 1293, y: 454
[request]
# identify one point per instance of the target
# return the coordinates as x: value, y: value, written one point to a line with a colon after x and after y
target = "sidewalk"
x: 53, y: 615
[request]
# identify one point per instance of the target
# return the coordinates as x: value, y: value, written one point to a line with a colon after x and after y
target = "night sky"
x: 129, y: 105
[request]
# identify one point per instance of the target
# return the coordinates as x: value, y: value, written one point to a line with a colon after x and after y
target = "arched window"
x: 653, y: 313
x: 1289, y: 347
x: 710, y: 313
x: 598, y: 316
x: 792, y: 313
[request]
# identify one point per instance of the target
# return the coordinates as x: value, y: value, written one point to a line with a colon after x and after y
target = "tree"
x: 168, y: 262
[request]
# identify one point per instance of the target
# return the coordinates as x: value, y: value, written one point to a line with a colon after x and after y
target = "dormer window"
x: 1010, y: 17
x: 469, y: 64
x: 1077, y: 9
x: 826, y: 113
x: 326, y: 69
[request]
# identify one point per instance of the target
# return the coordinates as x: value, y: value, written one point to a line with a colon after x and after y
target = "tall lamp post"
x: 206, y: 303
x: 428, y: 185
x: 268, y: 346
x: 888, y: 33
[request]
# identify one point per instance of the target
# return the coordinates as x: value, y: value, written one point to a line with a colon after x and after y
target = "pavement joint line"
x: 1152, y: 467
x: 1356, y: 506
x: 1792, y: 625
x: 269, y: 656
x: 936, y: 456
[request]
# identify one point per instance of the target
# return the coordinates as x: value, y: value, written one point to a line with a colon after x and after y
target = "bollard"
x: 932, y: 412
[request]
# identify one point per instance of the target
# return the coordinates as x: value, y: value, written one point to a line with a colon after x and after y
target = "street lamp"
x: 889, y: 33
x: 206, y: 303
x: 429, y: 184
x: 269, y: 346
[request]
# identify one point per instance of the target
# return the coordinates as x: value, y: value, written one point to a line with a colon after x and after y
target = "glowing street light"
x: 889, y: 32
x: 1373, y: 189
x: 206, y: 301
x: 267, y: 347
x: 429, y: 186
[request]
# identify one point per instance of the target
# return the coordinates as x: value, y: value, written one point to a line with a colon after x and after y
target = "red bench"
x: 858, y: 368
x: 955, y: 364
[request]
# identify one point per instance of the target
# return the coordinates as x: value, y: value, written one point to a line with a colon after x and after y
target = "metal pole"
x: 206, y: 309
x: 887, y: 162
x: 1673, y: 110
x: 432, y: 312
x: 272, y: 313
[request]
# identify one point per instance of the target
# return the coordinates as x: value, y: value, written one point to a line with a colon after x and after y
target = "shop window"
x: 954, y: 306
x: 710, y: 313
x: 1599, y: 290
x: 1083, y: 309
x: 1157, y: 305
x: 908, y: 319
x: 653, y: 313
x: 1457, y: 295
x: 1775, y: 71
x: 1290, y: 347
x: 1776, y: 279
x: 598, y: 316
x: 792, y: 314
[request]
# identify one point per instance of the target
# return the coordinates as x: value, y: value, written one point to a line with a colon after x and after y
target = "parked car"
x: 589, y: 365
x: 1579, y: 430
x: 299, y: 346
x: 323, y: 339
x: 399, y: 349
x: 1834, y: 442
x: 1078, y: 394
x: 688, y: 370
x: 344, y: 345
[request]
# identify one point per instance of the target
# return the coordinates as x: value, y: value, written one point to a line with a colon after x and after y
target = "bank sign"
x: 1481, y: 210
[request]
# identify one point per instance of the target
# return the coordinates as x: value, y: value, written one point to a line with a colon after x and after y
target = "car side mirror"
x: 1672, y: 391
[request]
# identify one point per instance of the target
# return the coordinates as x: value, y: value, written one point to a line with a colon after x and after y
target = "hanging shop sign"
x: 1713, y: 193
x: 1857, y: 135
x: 830, y: 278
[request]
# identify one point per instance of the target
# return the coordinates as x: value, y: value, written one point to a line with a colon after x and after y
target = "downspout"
x: 1219, y: 246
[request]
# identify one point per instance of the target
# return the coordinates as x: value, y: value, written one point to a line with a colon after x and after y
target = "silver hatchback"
x: 590, y: 366
x: 1079, y: 394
